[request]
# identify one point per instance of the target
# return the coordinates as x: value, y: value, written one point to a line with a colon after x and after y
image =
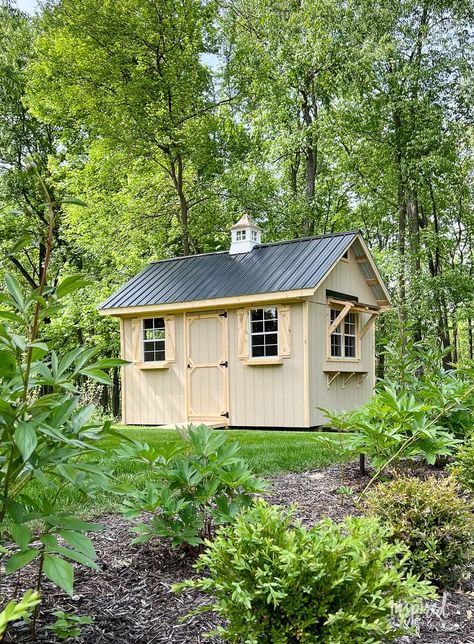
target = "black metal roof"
x: 267, y: 268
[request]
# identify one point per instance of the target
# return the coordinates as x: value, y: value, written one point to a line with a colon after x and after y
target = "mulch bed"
x: 130, y: 599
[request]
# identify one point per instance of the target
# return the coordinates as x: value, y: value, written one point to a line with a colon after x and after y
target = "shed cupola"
x: 245, y: 235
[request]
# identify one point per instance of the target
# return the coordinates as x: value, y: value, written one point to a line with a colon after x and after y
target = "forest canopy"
x: 171, y: 118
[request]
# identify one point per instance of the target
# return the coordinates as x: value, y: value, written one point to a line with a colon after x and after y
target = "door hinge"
x: 223, y: 315
x: 225, y: 414
x: 224, y: 364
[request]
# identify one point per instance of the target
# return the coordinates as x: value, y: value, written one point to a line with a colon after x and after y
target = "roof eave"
x: 216, y: 303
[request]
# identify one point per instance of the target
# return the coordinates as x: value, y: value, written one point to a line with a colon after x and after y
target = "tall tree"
x: 131, y: 73
x: 287, y: 60
x: 23, y: 140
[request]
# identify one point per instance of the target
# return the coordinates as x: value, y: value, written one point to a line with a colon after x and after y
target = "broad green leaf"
x: 23, y: 242
x: 109, y: 362
x: 20, y: 560
x: 9, y: 315
x: 72, y: 523
x: 7, y: 364
x: 15, y: 291
x: 60, y: 572
x: 21, y: 535
x: 97, y: 374
x: 79, y: 541
x: 25, y: 439
x: 75, y: 201
x: 70, y: 284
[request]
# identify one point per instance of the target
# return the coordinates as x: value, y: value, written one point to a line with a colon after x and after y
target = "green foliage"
x: 276, y: 581
x: 46, y: 436
x: 418, y: 416
x: 17, y: 610
x: 68, y: 625
x: 434, y: 523
x: 463, y: 466
x: 196, y: 485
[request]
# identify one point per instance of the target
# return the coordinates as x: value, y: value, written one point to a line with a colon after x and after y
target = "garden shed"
x: 261, y: 335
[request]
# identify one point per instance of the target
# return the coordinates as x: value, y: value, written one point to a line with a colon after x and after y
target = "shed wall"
x: 154, y: 396
x: 347, y: 278
x: 268, y: 395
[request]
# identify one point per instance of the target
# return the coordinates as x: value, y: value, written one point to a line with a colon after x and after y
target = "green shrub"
x: 419, y: 411
x: 194, y: 486
x: 432, y: 521
x: 395, y: 426
x: 18, y: 609
x: 463, y: 466
x: 277, y: 582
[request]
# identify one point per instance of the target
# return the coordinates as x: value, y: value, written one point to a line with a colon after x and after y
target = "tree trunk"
x: 177, y: 175
x: 307, y: 108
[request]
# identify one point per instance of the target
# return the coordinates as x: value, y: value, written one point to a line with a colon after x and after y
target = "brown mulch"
x: 130, y: 599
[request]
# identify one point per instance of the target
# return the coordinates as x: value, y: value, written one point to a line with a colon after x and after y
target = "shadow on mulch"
x: 130, y: 599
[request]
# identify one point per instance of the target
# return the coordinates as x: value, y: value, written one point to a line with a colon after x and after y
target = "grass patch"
x: 266, y: 452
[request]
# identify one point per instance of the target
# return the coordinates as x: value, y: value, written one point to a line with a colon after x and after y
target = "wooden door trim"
x: 189, y: 318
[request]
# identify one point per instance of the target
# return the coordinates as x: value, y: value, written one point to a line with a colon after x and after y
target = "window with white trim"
x: 153, y: 338
x: 344, y: 336
x: 241, y: 235
x: 254, y: 235
x: 264, y: 332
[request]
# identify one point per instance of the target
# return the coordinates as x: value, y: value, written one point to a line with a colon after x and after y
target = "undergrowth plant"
x: 48, y: 440
x: 67, y: 625
x: 194, y: 486
x: 423, y: 415
x: 17, y: 610
x: 434, y: 523
x: 274, y: 580
x: 463, y: 466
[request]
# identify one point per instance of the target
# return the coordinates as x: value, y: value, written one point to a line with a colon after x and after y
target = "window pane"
x: 270, y: 314
x: 258, y: 340
x: 256, y: 314
x: 258, y: 352
x: 149, y: 356
x: 350, y: 346
x: 336, y: 345
x: 271, y: 325
x: 159, y: 355
x: 148, y: 324
x: 271, y: 350
x: 271, y: 338
x: 257, y: 327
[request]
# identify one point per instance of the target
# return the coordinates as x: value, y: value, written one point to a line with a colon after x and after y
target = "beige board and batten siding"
x: 347, y: 278
x: 154, y: 396
x: 268, y: 395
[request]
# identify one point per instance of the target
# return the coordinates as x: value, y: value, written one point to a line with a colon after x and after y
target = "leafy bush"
x: 463, y: 466
x: 393, y: 427
x: 195, y: 486
x: 276, y: 582
x: 434, y: 523
x: 422, y: 414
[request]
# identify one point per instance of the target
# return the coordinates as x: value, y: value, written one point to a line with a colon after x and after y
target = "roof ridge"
x: 311, y: 237
x: 277, y: 243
